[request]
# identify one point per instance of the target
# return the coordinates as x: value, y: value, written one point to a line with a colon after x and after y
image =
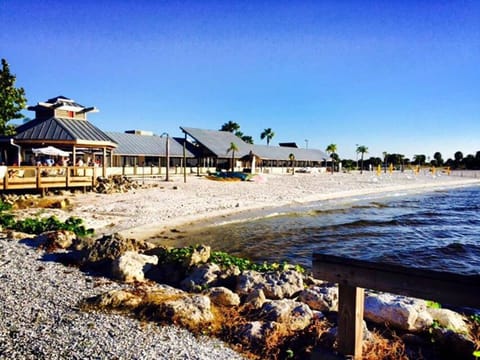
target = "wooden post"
x: 350, y: 320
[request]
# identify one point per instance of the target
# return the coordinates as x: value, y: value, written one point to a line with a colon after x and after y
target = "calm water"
x: 438, y: 230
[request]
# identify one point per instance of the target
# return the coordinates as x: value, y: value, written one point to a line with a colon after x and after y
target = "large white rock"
x: 449, y: 319
x: 398, y: 311
x: 294, y: 314
x: 202, y: 275
x: 223, y: 296
x: 322, y: 298
x: 132, y: 266
x: 275, y: 284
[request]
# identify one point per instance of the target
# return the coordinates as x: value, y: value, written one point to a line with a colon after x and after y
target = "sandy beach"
x: 161, y: 205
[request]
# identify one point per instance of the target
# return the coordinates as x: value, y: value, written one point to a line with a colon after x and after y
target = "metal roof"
x: 147, y: 145
x: 62, y: 129
x: 217, y: 142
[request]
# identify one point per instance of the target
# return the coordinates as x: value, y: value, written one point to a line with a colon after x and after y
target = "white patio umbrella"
x: 50, y: 150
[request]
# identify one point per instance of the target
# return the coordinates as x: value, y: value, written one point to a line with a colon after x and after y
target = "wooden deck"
x: 43, y: 178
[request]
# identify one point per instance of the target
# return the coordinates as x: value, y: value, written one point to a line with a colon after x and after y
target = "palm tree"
x: 292, y: 159
x: 267, y: 134
x: 332, y: 149
x: 362, y: 149
x: 233, y: 147
x: 230, y: 127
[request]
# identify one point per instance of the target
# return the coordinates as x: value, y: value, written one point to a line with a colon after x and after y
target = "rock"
x: 56, y: 239
x: 398, y: 311
x: 223, y: 297
x: 108, y: 247
x: 200, y: 255
x: 449, y: 319
x: 295, y: 315
x: 275, y: 284
x: 116, y: 299
x: 256, y: 332
x: 255, y: 299
x: 131, y: 266
x: 320, y: 298
x: 201, y: 276
x: 453, y: 345
x: 183, y: 309
x: 17, y: 235
x: 115, y: 184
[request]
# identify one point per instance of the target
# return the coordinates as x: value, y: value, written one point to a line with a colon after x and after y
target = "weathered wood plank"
x: 350, y: 320
x: 444, y: 287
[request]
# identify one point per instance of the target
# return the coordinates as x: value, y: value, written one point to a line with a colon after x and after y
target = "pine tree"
x: 12, y: 100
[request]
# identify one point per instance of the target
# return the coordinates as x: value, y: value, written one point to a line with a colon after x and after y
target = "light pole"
x: 356, y: 152
x: 306, y: 143
x: 167, y: 155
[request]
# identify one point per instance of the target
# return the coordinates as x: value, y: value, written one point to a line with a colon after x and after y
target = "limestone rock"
x: 117, y: 299
x: 200, y: 255
x: 56, y: 239
x: 187, y: 310
x: 255, y: 332
x: 201, y: 276
x: 223, y: 296
x: 398, y: 311
x: 320, y: 298
x: 295, y: 315
x: 453, y: 345
x: 131, y: 266
x: 109, y: 247
x: 255, y: 299
x: 449, y: 319
x: 275, y: 284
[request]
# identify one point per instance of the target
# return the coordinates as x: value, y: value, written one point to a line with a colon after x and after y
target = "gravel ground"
x: 41, y: 318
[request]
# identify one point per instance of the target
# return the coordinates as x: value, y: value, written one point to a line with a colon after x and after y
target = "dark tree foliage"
x: 12, y: 100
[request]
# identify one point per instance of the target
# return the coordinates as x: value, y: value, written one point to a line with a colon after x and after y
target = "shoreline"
x: 162, y: 206
x: 235, y: 215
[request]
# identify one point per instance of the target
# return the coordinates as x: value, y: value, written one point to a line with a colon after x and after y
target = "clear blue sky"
x: 395, y: 76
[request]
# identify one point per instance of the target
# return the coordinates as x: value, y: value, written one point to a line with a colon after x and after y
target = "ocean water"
x: 437, y: 230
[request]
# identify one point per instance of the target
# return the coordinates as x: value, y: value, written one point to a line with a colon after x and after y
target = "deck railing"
x: 353, y: 276
x: 46, y: 177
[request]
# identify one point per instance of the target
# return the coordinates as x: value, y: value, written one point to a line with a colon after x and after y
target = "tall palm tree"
x: 362, y: 149
x: 385, y: 154
x: 332, y: 149
x: 291, y: 156
x: 267, y: 134
x: 233, y: 147
x: 230, y: 126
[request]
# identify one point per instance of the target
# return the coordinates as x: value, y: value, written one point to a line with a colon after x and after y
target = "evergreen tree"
x: 12, y: 100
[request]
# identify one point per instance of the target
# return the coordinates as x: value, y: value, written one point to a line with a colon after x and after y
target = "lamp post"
x: 167, y: 155
x: 356, y: 152
x: 306, y: 143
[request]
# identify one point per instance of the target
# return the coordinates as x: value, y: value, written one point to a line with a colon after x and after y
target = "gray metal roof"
x: 217, y: 142
x: 62, y: 129
x: 147, y: 145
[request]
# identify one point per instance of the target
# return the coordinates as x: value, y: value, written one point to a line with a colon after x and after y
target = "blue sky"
x: 395, y: 76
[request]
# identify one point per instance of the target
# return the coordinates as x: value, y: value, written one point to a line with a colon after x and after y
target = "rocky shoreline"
x: 50, y: 310
x: 42, y: 319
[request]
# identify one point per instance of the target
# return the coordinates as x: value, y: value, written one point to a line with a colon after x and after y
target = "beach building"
x: 212, y: 152
x: 61, y: 135
x: 61, y: 123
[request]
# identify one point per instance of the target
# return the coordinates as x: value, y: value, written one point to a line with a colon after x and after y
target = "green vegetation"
x: 12, y: 100
x: 433, y: 305
x: 179, y: 255
x: 39, y: 225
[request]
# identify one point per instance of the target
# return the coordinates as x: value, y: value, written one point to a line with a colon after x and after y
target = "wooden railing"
x: 46, y: 177
x: 353, y: 276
